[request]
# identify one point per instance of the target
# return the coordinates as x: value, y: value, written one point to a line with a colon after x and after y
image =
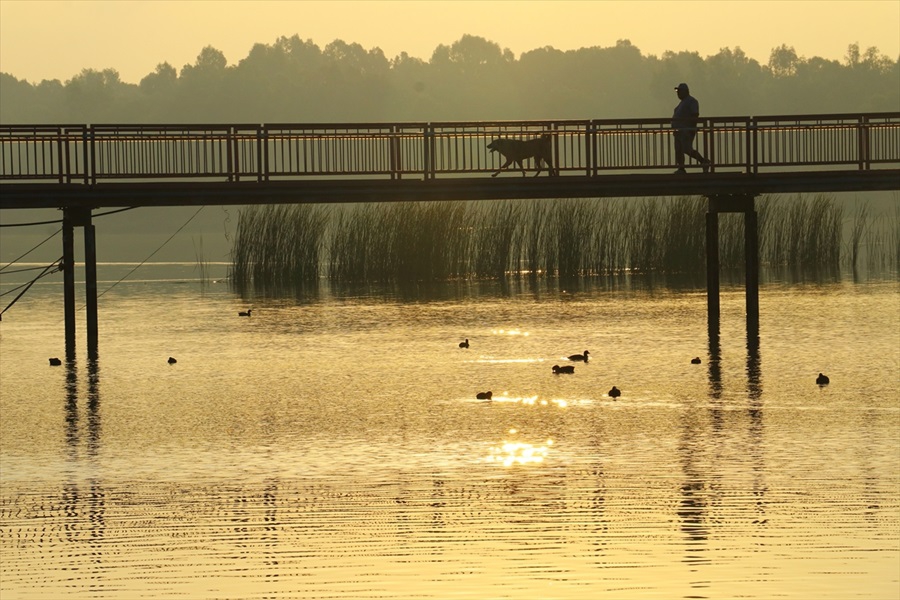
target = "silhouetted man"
x: 684, y: 124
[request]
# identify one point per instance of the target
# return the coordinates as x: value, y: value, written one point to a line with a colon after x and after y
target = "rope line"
x: 111, y: 212
x: 177, y: 231
x: 59, y: 266
x: 23, y: 270
x: 27, y: 286
x: 32, y: 250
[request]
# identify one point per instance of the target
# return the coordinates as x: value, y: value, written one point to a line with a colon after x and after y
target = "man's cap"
x: 682, y: 86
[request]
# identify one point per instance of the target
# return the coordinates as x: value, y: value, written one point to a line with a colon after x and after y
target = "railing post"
x: 62, y: 163
x: 752, y: 147
x: 87, y: 141
x: 394, y: 146
x: 428, y: 151
x: 229, y: 154
x: 262, y: 156
x: 590, y: 166
x: 863, y: 141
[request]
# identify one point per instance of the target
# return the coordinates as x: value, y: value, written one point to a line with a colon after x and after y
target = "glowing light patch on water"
x: 510, y: 332
x: 530, y: 400
x: 518, y: 453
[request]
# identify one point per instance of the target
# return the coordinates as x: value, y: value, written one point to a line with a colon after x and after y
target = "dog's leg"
x: 503, y: 166
x: 521, y: 166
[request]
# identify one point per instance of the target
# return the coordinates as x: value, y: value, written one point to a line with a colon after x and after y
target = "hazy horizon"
x: 133, y: 37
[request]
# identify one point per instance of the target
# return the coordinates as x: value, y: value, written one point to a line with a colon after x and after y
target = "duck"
x: 614, y: 392
x: 55, y: 362
x: 484, y: 395
x: 822, y: 379
x: 464, y: 344
x: 172, y: 361
x: 580, y: 357
x: 696, y: 360
x: 245, y: 313
x: 564, y: 369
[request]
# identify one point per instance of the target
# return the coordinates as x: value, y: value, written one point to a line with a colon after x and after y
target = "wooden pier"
x: 79, y: 168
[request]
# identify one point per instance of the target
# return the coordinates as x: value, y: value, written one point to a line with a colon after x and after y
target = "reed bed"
x: 566, y: 238
x: 278, y: 246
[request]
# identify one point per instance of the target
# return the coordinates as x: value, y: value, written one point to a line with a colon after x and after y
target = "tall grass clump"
x: 565, y: 238
x: 412, y: 241
x: 201, y: 262
x: 496, y: 230
x: 646, y: 234
x: 684, y: 239
x: 278, y: 245
x: 858, y: 229
x: 883, y: 241
x: 802, y: 233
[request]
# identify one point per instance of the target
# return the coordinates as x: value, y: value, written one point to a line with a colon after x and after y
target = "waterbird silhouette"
x: 464, y: 344
x: 614, y: 392
x: 580, y: 357
x: 172, y: 361
x: 484, y: 395
x: 55, y: 362
x: 695, y: 360
x: 822, y: 379
x: 564, y: 369
x: 245, y: 313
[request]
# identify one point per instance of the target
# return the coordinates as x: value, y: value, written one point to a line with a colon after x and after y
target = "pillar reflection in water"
x: 84, y: 497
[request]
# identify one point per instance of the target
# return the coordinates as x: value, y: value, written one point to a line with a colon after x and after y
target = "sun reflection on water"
x: 518, y: 453
x: 510, y: 332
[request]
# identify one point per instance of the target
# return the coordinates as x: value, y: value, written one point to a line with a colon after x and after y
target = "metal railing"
x: 94, y: 154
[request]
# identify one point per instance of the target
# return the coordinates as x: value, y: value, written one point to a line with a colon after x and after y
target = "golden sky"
x: 55, y: 39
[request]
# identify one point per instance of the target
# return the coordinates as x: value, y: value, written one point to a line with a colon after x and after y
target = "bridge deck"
x: 44, y: 195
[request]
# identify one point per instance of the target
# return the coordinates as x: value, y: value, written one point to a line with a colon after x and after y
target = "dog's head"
x: 494, y: 146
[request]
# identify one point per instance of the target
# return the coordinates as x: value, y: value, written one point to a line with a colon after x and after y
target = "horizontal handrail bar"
x: 74, y: 154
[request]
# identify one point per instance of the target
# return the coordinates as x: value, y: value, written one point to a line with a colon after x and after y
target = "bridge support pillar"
x: 72, y: 218
x: 744, y: 203
x: 69, y: 282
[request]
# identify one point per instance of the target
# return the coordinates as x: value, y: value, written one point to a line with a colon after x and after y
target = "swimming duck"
x: 464, y: 344
x: 55, y: 362
x: 564, y: 369
x: 614, y: 392
x: 245, y: 313
x: 695, y: 360
x: 822, y: 379
x: 172, y: 361
x: 579, y: 357
x: 484, y: 395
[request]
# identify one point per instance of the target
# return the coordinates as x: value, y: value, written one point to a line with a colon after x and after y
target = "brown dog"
x: 516, y: 151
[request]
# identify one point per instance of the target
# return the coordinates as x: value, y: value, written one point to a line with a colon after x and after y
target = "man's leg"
x: 679, y: 137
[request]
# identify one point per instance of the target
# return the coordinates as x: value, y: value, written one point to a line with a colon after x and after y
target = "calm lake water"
x: 331, y: 445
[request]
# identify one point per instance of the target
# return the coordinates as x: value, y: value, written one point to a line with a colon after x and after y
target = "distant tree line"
x: 294, y: 80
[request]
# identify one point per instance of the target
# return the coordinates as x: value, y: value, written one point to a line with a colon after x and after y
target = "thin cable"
x: 23, y: 270
x: 32, y: 250
x: 27, y: 286
x: 30, y: 224
x: 111, y: 212
x: 177, y: 231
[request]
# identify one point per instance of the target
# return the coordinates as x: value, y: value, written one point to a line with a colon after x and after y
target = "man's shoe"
x: 680, y: 172
x: 705, y: 166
